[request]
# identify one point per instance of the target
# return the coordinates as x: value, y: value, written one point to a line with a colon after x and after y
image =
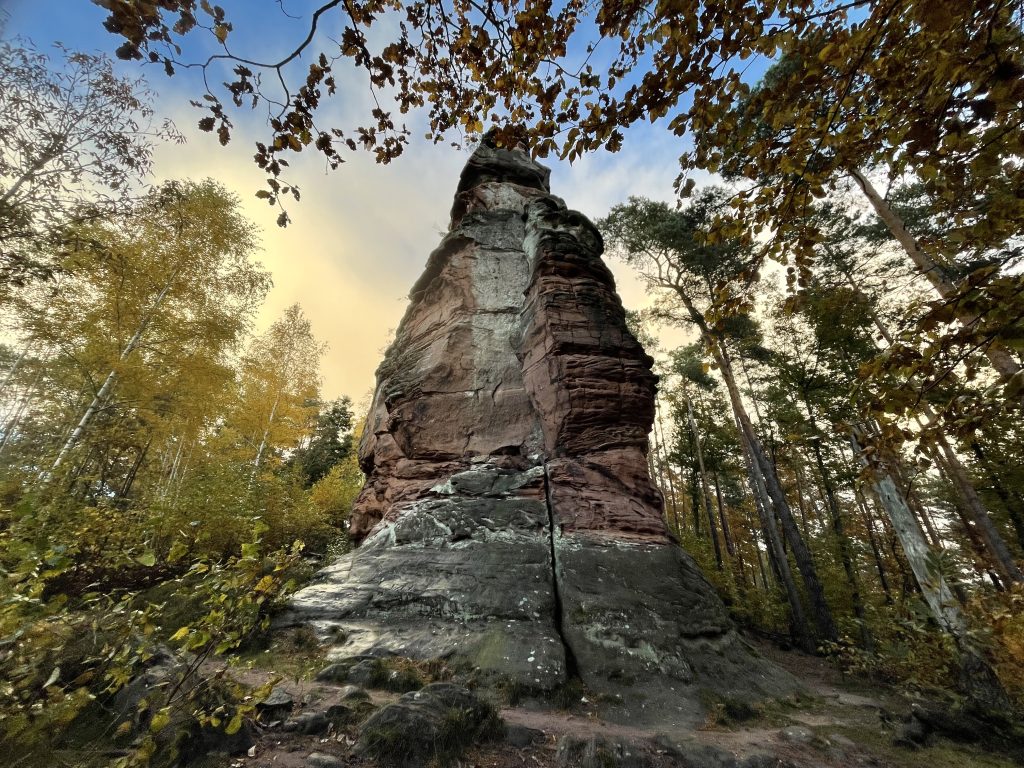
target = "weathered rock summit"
x: 508, y: 523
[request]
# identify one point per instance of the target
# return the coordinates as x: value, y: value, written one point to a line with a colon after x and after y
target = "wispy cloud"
x: 361, y: 234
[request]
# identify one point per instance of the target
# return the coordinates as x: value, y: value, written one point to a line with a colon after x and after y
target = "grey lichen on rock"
x: 509, y: 524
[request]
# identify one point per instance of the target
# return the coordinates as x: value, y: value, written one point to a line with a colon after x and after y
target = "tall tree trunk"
x: 266, y: 436
x: 957, y: 474
x: 23, y: 405
x: 801, y: 500
x: 134, y: 471
x: 757, y: 544
x: 1013, y: 502
x: 845, y: 550
x: 905, y: 486
x: 9, y: 376
x: 838, y: 528
x: 776, y: 555
x: 822, y: 614
x: 933, y: 586
x: 668, y: 464
x: 981, y: 556
x: 1002, y: 361
x: 730, y: 545
x: 869, y: 524
x: 705, y: 489
x: 977, y: 678
x: 975, y: 510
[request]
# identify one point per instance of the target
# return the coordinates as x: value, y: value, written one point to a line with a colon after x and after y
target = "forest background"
x: 836, y: 311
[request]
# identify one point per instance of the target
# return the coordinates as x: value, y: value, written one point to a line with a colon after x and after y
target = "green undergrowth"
x: 943, y: 753
x: 295, y: 654
x: 400, y: 674
x: 390, y: 673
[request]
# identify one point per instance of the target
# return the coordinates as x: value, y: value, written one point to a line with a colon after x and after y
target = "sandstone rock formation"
x: 508, y: 522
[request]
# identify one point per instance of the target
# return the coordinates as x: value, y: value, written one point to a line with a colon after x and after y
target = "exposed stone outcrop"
x: 508, y: 522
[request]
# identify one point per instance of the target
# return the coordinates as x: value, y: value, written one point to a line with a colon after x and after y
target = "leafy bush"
x: 62, y: 654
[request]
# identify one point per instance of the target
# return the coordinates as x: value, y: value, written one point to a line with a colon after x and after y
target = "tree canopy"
x: 76, y: 144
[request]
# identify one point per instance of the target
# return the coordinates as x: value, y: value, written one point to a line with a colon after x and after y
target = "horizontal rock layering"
x: 508, y: 522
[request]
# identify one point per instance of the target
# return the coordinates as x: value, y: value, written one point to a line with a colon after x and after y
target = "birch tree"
x: 76, y: 143
x: 279, y: 390
x: 149, y: 304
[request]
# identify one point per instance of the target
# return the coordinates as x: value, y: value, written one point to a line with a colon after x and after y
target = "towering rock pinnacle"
x: 508, y: 523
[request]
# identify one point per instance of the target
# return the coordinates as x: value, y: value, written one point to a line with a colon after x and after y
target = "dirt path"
x: 838, y: 723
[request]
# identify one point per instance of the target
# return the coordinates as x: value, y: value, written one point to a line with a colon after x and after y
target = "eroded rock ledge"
x: 508, y: 522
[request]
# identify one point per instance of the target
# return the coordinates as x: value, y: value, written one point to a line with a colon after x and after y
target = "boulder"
x: 276, y: 706
x: 434, y: 723
x: 599, y: 752
x: 321, y: 760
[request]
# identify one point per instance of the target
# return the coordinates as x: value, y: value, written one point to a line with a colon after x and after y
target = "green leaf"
x: 147, y: 559
x: 178, y: 550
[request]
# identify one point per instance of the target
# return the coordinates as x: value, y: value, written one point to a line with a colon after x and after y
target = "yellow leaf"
x: 234, y: 725
x: 160, y: 720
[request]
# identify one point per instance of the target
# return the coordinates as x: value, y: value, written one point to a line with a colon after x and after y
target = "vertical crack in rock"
x: 519, y: 535
x: 571, y: 668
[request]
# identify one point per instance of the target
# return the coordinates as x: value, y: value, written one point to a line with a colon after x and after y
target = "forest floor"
x: 840, y: 721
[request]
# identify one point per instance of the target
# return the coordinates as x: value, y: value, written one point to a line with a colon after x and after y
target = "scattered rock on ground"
x: 437, y: 721
x: 309, y: 723
x: 695, y: 755
x: 798, y: 734
x: 342, y: 714
x: 841, y: 741
x: 364, y: 672
x: 911, y: 734
x: 320, y: 760
x: 276, y: 706
x: 519, y: 736
x: 353, y: 692
x: 359, y: 670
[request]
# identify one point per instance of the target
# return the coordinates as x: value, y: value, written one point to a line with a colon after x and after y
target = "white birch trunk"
x: 934, y: 588
x: 101, y: 396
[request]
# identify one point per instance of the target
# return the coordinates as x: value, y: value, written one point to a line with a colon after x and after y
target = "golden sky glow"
x: 361, y: 234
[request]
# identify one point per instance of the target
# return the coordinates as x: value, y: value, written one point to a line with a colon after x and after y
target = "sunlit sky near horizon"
x: 361, y: 234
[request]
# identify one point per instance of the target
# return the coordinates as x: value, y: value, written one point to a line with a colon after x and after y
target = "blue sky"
x: 361, y: 234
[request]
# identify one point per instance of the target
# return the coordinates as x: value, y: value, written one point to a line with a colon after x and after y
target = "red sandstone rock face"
x: 515, y: 345
x: 590, y: 382
x: 450, y: 388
